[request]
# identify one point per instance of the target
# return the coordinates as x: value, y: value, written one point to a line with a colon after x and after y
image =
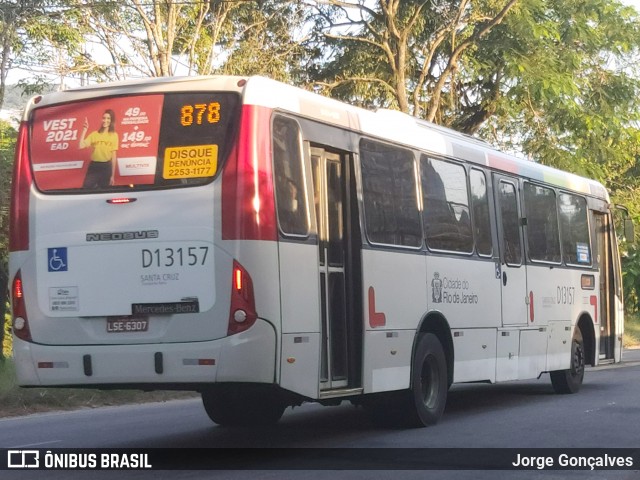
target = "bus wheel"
x: 423, y: 404
x: 429, y: 382
x: 570, y: 380
x: 234, y: 408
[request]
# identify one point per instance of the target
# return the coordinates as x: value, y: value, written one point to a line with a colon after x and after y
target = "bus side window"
x: 447, y: 223
x: 480, y: 210
x: 510, y: 224
x: 289, y: 178
x: 542, y: 223
x: 390, y: 195
x: 574, y: 229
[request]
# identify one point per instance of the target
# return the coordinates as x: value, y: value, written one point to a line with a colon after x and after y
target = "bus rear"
x: 120, y: 275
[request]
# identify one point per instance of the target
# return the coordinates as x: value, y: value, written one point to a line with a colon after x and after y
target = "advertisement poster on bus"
x: 97, y: 143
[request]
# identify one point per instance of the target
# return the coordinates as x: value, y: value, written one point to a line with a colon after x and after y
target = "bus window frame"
x: 303, y: 157
x: 591, y: 263
x: 363, y: 203
x: 489, y: 197
x: 513, y: 181
x: 464, y: 165
x: 524, y: 212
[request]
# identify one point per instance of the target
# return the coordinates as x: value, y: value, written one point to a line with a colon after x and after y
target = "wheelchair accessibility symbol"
x: 57, y: 258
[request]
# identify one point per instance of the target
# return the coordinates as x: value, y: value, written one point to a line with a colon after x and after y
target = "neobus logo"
x: 112, y: 236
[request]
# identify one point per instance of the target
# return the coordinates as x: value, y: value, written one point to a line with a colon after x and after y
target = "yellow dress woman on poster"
x: 101, y: 171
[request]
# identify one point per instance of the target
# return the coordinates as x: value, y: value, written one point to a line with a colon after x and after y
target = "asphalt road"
x: 604, y: 414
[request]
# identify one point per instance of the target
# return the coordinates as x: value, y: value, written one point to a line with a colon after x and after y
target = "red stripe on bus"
x: 593, y: 300
x: 376, y: 319
x: 248, y: 201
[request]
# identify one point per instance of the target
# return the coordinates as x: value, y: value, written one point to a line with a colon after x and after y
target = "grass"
x: 16, y: 401
x: 631, y: 330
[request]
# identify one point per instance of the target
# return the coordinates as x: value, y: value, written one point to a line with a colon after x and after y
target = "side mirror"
x: 627, y: 225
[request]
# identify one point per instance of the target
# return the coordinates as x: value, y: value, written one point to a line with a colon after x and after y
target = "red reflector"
x: 19, y: 310
x: 17, y: 288
x: 531, y: 310
x: 242, y: 314
x: 593, y: 301
x: 237, y: 275
x: 120, y: 201
x: 207, y: 361
x: 45, y: 364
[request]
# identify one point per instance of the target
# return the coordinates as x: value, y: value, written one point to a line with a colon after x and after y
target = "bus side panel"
x: 508, y: 345
x: 556, y: 301
x: 467, y: 293
x: 300, y: 363
x: 533, y: 352
x: 300, y: 303
x: 475, y: 355
x: 387, y: 359
x: 558, y: 353
x: 394, y: 293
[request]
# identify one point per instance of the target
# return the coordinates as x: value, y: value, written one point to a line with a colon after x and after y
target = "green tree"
x: 7, y: 144
x: 12, y: 14
x: 145, y: 37
x: 556, y: 80
x: 404, y: 54
x: 266, y: 41
x: 165, y: 38
x: 45, y: 38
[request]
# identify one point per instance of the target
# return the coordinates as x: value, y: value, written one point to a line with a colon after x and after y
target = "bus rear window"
x: 132, y: 142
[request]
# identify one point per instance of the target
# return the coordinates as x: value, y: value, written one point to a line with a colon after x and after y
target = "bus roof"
x: 400, y: 127
x: 385, y: 124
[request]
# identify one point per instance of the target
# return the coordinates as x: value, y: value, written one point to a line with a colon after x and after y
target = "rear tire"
x: 424, y: 403
x: 238, y: 407
x: 429, y: 382
x: 570, y: 380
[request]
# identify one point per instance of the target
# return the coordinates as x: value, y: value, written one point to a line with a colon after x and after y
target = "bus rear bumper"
x: 245, y: 357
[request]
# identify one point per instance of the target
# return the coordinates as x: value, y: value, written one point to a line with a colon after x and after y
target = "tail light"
x: 20, y: 189
x: 19, y: 311
x: 242, y: 314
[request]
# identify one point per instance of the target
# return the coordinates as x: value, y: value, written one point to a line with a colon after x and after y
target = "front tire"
x: 570, y: 380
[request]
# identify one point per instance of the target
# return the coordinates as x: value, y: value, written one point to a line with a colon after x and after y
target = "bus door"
x: 338, y: 264
x: 606, y: 310
x: 512, y: 271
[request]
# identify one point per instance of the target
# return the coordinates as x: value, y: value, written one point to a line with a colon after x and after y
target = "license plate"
x: 127, y: 324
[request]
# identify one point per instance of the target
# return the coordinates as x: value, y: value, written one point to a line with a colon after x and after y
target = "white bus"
x: 267, y: 246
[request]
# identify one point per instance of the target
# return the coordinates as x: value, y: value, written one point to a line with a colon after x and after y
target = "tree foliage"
x: 45, y: 37
x: 407, y: 55
x: 7, y: 142
x: 555, y: 80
